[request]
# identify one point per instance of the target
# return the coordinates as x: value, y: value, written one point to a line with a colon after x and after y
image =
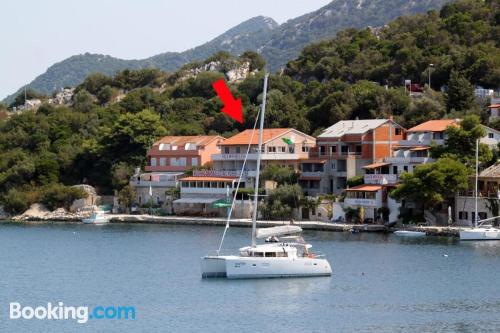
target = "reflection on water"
x: 380, y: 282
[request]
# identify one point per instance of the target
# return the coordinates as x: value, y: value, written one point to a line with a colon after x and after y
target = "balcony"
x: 312, y: 174
x: 205, y: 190
x: 148, y: 183
x: 407, y: 160
x: 253, y: 157
x: 421, y: 142
x: 361, y: 202
x: 380, y: 179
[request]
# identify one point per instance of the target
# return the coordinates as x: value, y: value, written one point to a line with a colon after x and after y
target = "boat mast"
x: 259, y: 152
x: 475, y: 194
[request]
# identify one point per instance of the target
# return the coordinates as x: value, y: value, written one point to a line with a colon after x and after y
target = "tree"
x: 30, y: 94
x: 461, y: 142
x: 281, y: 202
x: 432, y: 184
x: 460, y: 93
x: 257, y: 62
x: 281, y: 175
x: 132, y: 135
x: 83, y: 101
x: 121, y: 173
x: 126, y: 196
x: 56, y: 195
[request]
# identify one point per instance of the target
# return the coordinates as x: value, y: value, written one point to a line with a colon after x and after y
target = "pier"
x: 305, y: 225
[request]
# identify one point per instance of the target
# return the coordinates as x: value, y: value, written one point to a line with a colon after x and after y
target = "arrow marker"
x: 232, y: 107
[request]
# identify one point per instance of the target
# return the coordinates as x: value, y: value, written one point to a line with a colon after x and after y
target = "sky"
x: 36, y: 34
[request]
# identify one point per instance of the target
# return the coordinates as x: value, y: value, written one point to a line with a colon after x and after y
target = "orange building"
x: 348, y: 146
x: 180, y: 153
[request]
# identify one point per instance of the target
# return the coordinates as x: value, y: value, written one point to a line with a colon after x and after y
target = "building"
x: 415, y: 149
x: 181, y: 153
x: 281, y: 146
x: 167, y: 160
x: 494, y: 109
x: 488, y: 197
x: 349, y: 145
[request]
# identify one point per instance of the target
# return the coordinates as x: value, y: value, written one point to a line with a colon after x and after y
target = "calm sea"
x: 381, y: 283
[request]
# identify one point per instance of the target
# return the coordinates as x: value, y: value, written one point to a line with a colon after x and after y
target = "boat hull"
x: 406, y: 233
x: 95, y: 221
x: 257, y: 267
x: 213, y: 266
x: 480, y: 234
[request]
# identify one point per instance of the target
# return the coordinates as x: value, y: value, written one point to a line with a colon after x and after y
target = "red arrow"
x: 232, y: 107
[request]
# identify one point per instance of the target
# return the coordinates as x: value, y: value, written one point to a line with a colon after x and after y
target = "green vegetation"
x: 105, y: 134
x: 432, y: 184
x: 281, y: 202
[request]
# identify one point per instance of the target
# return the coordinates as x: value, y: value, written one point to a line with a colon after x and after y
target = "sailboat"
x: 289, y: 256
x: 479, y: 231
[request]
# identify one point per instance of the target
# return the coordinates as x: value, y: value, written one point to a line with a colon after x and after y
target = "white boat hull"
x: 236, y: 267
x: 95, y: 221
x: 480, y: 234
x: 408, y: 233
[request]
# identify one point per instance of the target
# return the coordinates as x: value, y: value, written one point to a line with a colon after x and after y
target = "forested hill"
x: 277, y: 43
x: 112, y: 121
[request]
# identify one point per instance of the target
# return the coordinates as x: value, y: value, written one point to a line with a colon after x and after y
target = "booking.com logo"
x: 81, y: 314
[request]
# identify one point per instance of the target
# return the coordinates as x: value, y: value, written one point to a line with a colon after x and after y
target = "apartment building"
x: 350, y: 145
x: 281, y: 146
x: 167, y: 160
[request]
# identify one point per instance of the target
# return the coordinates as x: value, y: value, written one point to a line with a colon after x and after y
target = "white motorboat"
x: 97, y: 217
x: 409, y: 233
x: 288, y: 257
x: 479, y: 231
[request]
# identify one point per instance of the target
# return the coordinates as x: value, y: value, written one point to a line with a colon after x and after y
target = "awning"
x: 420, y: 148
x: 195, y: 200
x: 375, y: 165
x: 365, y: 188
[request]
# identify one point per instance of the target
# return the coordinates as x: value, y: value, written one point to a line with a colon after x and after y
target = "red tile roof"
x: 375, y: 165
x: 199, y: 140
x: 244, y: 137
x: 434, y: 125
x: 365, y: 188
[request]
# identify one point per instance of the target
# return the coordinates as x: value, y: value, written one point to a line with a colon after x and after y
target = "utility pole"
x: 430, y: 68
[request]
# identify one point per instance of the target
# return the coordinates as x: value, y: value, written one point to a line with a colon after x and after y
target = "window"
x: 333, y: 149
x: 140, y: 200
x: 397, y: 131
x: 163, y: 161
x: 194, y: 161
x: 395, y: 169
x: 282, y: 149
x: 482, y: 215
x: 305, y: 149
x: 153, y: 161
x: 344, y: 150
x: 333, y: 165
x: 322, y: 150
x: 291, y: 149
x: 405, y: 168
x: 271, y: 149
x: 463, y: 215
x: 491, y: 135
x: 358, y: 149
x: 238, y: 150
x: 226, y: 150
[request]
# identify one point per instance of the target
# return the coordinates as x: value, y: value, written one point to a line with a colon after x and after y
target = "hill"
x: 277, y: 43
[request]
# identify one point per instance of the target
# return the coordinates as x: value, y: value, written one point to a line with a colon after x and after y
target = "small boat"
x: 480, y: 233
x: 97, y: 217
x: 409, y: 233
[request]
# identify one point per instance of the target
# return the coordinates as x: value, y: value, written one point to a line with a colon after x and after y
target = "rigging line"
x: 239, y: 182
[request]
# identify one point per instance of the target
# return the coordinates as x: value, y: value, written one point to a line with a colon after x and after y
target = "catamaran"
x: 480, y: 230
x: 288, y: 256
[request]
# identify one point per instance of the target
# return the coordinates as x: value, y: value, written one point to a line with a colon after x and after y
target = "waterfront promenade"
x: 306, y: 225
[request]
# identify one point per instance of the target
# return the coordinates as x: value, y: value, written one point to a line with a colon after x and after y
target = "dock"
x: 305, y: 225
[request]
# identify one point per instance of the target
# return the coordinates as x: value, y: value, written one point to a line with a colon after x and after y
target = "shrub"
x: 55, y: 196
